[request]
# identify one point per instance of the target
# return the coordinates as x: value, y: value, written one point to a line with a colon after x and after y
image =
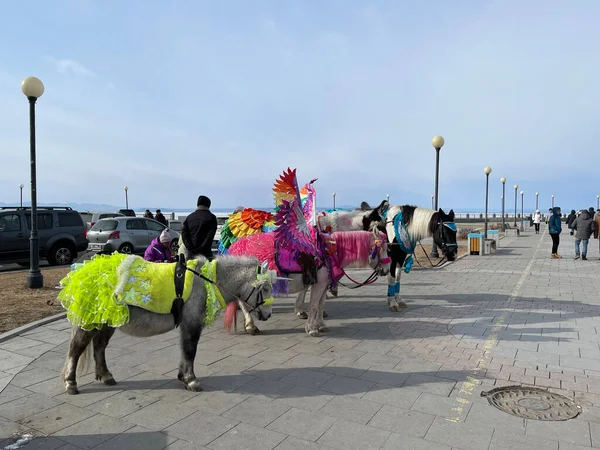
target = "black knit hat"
x: 204, y: 201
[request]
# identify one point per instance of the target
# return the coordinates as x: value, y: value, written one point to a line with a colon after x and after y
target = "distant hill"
x: 103, y: 207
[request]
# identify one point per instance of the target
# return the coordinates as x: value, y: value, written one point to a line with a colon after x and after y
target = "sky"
x: 182, y: 98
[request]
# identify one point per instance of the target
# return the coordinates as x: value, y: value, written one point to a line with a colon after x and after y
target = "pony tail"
x: 231, y: 315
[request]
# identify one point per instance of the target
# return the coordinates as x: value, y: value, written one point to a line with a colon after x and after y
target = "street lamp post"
x: 437, y: 142
x: 522, y: 214
x: 537, y: 195
x: 487, y: 170
x: 516, y: 186
x: 33, y: 88
x: 553, y: 200
x: 126, y: 197
x: 21, y: 186
x: 334, y: 201
x: 503, y: 180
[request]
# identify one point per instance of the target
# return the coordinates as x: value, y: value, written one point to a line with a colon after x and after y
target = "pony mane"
x: 418, y: 221
x: 352, y: 247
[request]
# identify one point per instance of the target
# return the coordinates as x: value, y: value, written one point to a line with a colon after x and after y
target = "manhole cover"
x: 532, y: 403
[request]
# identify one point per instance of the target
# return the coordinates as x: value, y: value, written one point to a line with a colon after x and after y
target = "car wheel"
x: 174, y: 246
x: 126, y: 248
x: 61, y: 254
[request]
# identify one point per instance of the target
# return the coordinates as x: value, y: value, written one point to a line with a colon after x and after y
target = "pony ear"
x: 382, y: 206
x: 364, y: 206
x: 451, y: 215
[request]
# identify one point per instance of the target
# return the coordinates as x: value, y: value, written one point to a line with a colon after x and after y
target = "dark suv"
x: 61, y: 231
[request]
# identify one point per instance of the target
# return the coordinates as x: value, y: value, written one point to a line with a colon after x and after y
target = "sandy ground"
x: 20, y: 305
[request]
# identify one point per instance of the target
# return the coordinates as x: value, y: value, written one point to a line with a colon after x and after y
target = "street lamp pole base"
x: 35, y: 280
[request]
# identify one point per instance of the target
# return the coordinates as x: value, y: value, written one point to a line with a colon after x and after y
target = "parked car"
x: 175, y: 225
x: 90, y: 218
x: 130, y: 235
x: 61, y: 231
x: 221, y: 218
x: 127, y: 212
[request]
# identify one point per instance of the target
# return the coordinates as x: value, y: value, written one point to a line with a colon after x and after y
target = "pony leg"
x: 190, y: 335
x: 391, y: 297
x: 80, y: 341
x: 317, y: 291
x: 248, y: 320
x: 320, y: 322
x: 399, y: 301
x: 100, y: 342
x: 299, y: 305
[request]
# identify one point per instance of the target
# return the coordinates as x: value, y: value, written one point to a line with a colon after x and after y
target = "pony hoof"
x: 252, y: 331
x: 180, y: 376
x: 325, y: 314
x: 395, y: 308
x: 194, y: 386
x: 109, y: 381
x: 302, y: 315
x: 402, y: 304
x: 72, y: 390
x: 314, y: 333
x: 323, y: 329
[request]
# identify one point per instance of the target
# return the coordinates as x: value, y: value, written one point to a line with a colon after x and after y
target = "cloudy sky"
x: 181, y: 98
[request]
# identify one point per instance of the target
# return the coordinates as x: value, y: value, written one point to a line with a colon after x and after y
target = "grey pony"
x: 238, y: 276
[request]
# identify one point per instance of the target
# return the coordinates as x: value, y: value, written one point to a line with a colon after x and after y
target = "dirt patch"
x: 422, y: 258
x: 20, y: 305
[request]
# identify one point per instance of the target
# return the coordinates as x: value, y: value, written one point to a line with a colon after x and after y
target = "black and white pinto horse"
x: 410, y: 221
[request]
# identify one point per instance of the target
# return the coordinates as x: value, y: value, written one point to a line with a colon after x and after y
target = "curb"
x: 30, y: 326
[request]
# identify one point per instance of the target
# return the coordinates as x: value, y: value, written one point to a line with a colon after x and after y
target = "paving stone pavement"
x: 376, y: 379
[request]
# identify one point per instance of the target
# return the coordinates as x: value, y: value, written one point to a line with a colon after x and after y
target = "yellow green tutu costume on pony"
x: 99, y: 291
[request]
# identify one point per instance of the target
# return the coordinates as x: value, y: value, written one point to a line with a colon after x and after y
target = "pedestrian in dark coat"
x: 199, y: 229
x: 555, y: 229
x: 584, y: 226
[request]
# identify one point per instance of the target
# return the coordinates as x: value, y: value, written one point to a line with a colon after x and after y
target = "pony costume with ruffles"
x: 99, y: 291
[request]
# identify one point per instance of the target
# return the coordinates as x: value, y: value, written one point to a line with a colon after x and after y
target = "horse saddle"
x: 179, y: 280
x: 291, y: 261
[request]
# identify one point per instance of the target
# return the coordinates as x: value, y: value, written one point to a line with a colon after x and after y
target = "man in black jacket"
x: 199, y: 229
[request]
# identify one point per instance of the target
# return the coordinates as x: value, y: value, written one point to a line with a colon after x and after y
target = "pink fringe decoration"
x: 261, y: 245
x: 352, y: 247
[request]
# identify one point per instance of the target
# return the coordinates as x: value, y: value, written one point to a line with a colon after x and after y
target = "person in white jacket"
x: 537, y: 218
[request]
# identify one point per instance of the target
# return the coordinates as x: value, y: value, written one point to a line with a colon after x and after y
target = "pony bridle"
x: 446, y: 247
x: 376, y: 252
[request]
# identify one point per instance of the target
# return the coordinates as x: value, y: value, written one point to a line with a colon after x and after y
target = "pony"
x: 406, y: 223
x: 344, y: 248
x: 230, y: 280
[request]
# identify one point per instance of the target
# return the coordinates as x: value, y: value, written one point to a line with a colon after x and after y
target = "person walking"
x: 584, y: 227
x: 159, y: 217
x: 570, y: 219
x: 159, y: 249
x: 537, y: 219
x: 597, y: 226
x: 555, y: 228
x: 199, y: 229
